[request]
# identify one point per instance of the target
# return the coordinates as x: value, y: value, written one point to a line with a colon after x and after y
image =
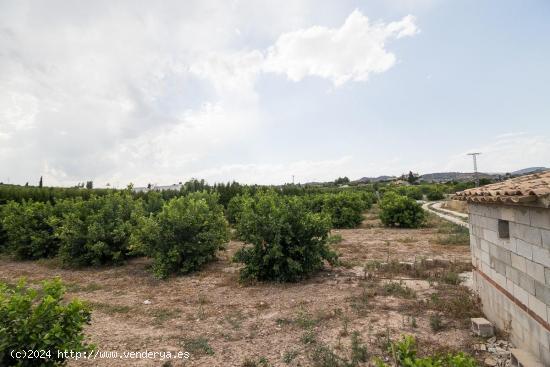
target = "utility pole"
x: 474, y: 156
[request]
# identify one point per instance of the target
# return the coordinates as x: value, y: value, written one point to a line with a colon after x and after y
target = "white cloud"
x: 123, y: 91
x: 351, y: 52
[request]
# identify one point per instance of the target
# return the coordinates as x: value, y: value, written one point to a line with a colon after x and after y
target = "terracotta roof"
x: 524, y: 189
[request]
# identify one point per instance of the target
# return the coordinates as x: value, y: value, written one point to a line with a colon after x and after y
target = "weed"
x: 451, y: 278
x: 309, y: 337
x: 334, y: 239
x: 162, y: 315
x: 109, y: 309
x: 397, y: 289
x: 289, y: 356
x: 262, y: 362
x: 360, y: 303
x: 345, y: 323
x: 304, y: 319
x: 359, y: 351
x: 323, y: 356
x: 86, y: 288
x: 436, y: 324
x: 198, y: 346
x: 456, y: 302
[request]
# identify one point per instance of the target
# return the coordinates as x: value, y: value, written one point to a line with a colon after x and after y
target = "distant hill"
x: 375, y: 179
x: 455, y: 176
x: 528, y: 171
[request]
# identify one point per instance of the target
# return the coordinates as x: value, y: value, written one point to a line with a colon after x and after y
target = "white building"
x: 510, y: 244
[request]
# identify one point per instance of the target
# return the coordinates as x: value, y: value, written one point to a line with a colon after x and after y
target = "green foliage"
x: 404, y: 354
x: 40, y: 320
x: 153, y: 202
x: 435, y: 193
x: 413, y: 192
x: 345, y: 208
x: 44, y: 194
x: 235, y: 207
x: 185, y: 235
x: 288, y: 242
x: 401, y: 211
x: 97, y: 231
x: 29, y: 234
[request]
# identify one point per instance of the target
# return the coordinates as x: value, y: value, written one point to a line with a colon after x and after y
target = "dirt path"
x: 455, y: 217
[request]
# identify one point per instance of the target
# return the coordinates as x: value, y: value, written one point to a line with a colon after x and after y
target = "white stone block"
x: 545, y: 238
x: 524, y: 249
x: 521, y: 294
x: 538, y: 307
x: 541, y: 256
x: 482, y: 327
x: 526, y: 233
x: 540, y: 218
x: 519, y: 262
x: 535, y: 271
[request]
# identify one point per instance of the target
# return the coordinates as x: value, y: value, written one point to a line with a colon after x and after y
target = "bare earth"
x: 260, y: 320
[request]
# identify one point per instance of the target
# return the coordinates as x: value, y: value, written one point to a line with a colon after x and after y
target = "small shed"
x: 510, y: 246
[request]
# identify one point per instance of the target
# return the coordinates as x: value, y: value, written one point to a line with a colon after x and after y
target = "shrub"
x: 288, y: 241
x: 41, y: 321
x: 401, y: 211
x: 28, y: 231
x: 185, y: 235
x: 435, y: 193
x: 97, y: 231
x: 345, y: 209
x: 235, y: 207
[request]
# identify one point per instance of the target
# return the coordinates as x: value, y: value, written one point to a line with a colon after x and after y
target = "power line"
x: 474, y: 156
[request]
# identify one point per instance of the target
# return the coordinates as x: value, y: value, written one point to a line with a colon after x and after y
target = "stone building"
x: 510, y: 245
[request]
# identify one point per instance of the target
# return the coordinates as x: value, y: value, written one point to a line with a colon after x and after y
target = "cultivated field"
x: 222, y: 322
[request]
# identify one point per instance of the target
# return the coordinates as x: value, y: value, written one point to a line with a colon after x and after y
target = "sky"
x: 142, y: 92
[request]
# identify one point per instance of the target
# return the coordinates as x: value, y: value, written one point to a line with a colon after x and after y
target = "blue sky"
x: 259, y: 91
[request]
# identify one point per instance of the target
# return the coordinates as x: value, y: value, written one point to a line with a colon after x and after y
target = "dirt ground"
x: 221, y: 322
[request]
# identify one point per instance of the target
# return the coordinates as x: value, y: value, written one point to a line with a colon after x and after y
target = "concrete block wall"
x: 513, y: 275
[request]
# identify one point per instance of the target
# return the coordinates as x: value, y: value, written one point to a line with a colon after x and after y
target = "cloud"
x: 351, y: 52
x: 125, y: 91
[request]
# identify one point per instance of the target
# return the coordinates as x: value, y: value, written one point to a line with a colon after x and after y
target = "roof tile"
x: 522, y: 189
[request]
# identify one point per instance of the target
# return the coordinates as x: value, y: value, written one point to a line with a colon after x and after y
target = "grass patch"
x: 235, y: 319
x: 334, y: 239
x: 436, y: 324
x: 323, y: 356
x: 109, y: 309
x: 261, y: 362
x: 398, y: 289
x: 90, y: 287
x: 198, y: 346
x: 161, y: 315
x: 449, y: 233
x: 453, y: 302
x: 434, y: 269
x: 289, y: 356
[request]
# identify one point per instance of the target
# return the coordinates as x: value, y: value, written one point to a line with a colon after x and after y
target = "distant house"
x: 510, y: 244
